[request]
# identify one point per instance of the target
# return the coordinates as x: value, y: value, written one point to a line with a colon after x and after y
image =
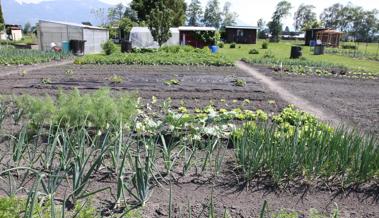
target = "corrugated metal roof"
x: 196, y: 28
x: 73, y: 24
x: 243, y: 27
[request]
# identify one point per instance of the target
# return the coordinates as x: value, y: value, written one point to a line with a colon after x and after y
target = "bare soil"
x: 354, y: 101
x: 199, y: 86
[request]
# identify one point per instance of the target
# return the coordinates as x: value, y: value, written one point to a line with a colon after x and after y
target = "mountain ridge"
x: 76, y: 11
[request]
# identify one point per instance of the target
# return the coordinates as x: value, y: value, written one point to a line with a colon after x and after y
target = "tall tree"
x: 27, y: 28
x: 331, y: 16
x: 229, y: 18
x: 100, y: 15
x: 275, y: 25
x: 131, y: 14
x: 212, y: 14
x: 145, y: 7
x: 305, y: 17
x: 1, y: 18
x: 262, y: 29
x: 194, y: 13
x: 116, y: 13
x: 178, y: 8
x: 160, y: 20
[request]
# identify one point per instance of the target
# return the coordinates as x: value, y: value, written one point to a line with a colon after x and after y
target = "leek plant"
x: 310, y: 152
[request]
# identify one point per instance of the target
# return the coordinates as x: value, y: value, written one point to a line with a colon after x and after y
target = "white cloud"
x: 250, y: 11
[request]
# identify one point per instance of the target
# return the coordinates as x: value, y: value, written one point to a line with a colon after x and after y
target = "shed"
x: 191, y: 35
x: 13, y: 32
x: 141, y: 37
x: 241, y: 34
x: 329, y: 37
x: 311, y: 35
x: 57, y: 32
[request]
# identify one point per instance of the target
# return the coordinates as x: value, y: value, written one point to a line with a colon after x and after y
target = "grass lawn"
x: 283, y: 49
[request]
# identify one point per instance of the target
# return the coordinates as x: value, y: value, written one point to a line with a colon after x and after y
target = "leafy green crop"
x: 9, y: 55
x: 170, y: 55
x: 98, y: 109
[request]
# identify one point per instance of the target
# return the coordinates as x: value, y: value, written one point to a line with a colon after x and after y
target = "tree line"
x: 357, y: 22
x: 160, y: 15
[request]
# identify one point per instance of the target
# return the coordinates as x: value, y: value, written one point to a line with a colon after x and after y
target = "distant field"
x: 283, y: 48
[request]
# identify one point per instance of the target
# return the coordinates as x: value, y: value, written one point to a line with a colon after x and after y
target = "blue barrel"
x: 214, y: 49
x: 66, y: 46
x: 312, y: 43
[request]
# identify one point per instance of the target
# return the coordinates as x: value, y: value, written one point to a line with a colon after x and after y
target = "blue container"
x: 66, y: 47
x: 312, y: 43
x: 214, y: 49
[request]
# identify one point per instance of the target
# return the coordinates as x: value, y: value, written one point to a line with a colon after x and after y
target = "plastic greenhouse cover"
x: 141, y: 38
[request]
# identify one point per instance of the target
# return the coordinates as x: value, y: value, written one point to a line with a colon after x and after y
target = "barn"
x: 241, y: 34
x: 196, y: 36
x: 57, y: 32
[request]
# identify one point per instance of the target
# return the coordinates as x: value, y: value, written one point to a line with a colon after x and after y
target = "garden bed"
x: 352, y: 100
x: 204, y: 100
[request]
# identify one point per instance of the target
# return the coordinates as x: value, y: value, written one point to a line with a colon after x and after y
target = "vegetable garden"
x: 61, y: 151
x: 12, y: 56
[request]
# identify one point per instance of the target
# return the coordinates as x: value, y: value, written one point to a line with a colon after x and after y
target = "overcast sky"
x: 250, y: 11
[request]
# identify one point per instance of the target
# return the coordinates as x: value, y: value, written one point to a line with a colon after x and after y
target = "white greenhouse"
x: 57, y: 32
x: 141, y: 37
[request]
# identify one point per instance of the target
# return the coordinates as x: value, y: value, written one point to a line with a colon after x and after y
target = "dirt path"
x: 6, y: 71
x: 288, y: 96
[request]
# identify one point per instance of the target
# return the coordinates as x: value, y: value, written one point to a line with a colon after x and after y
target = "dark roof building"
x: 241, y: 34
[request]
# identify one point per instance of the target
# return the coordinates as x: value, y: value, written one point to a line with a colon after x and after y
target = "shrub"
x: 253, y: 51
x: 268, y: 54
x: 233, y: 45
x: 265, y: 45
x: 109, y: 47
x: 221, y: 44
x: 352, y: 47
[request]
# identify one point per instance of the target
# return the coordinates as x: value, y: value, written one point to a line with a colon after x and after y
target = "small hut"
x: 241, y: 34
x: 311, y: 35
x: 329, y: 37
x: 13, y: 32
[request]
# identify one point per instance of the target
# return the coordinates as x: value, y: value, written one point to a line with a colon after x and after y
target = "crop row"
x: 303, y: 66
x: 12, y: 56
x: 145, y: 149
x: 164, y: 56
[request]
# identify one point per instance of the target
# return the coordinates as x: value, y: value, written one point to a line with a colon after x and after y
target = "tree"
x: 229, y: 18
x: 305, y: 17
x: 262, y: 29
x: 331, y: 16
x: 145, y: 7
x: 194, y: 13
x: 159, y: 21
x: 27, y: 28
x: 212, y: 14
x: 116, y: 13
x: 178, y: 8
x: 1, y: 18
x: 275, y: 25
x: 100, y: 16
x: 131, y: 14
